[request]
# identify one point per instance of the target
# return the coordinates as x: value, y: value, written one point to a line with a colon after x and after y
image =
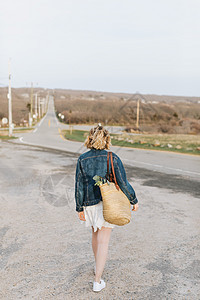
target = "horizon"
x: 101, y: 91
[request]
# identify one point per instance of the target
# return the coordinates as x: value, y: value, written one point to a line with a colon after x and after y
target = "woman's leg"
x: 94, y: 242
x: 103, y: 237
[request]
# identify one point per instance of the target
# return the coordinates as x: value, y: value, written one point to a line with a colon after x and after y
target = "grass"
x: 4, y: 133
x: 17, y: 130
x: 77, y: 135
x: 7, y: 137
x: 27, y: 128
x: 180, y: 143
x: 23, y: 129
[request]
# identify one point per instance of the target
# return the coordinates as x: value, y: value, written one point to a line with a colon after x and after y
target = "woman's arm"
x: 81, y: 215
x: 135, y: 207
x: 122, y: 181
x: 79, y: 191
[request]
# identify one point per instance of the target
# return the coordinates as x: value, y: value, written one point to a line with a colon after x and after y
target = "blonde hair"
x: 98, y: 138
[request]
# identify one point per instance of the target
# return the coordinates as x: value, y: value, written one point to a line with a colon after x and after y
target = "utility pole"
x: 36, y: 114
x: 10, y: 103
x: 47, y: 101
x: 39, y: 107
x: 43, y: 106
x: 138, y: 113
x: 31, y: 112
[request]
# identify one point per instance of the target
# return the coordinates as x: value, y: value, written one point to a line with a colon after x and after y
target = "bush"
x: 164, y: 128
x: 175, y: 115
x: 195, y: 127
x: 2, y: 115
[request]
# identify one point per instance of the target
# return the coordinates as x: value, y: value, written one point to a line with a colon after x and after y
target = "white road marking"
x: 160, y: 166
x: 130, y: 162
x: 39, y: 123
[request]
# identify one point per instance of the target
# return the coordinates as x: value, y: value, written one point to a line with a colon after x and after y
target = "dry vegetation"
x: 20, y: 99
x: 159, y: 114
x: 181, y: 143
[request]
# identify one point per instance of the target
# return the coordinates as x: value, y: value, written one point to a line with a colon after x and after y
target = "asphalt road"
x: 45, y: 253
x: 47, y: 134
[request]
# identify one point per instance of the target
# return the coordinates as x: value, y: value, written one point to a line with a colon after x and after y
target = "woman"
x: 88, y: 197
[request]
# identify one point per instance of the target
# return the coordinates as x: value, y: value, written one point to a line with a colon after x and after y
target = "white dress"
x: 94, y: 217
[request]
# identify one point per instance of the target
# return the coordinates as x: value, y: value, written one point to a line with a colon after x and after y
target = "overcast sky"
x: 149, y: 46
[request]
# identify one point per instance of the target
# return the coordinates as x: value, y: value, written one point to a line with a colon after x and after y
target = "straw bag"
x: 116, y: 206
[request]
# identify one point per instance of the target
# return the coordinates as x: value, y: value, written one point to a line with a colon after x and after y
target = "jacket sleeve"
x: 79, y: 191
x: 122, y: 181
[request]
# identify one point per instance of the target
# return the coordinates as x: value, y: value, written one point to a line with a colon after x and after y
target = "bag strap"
x: 110, y: 158
x: 108, y: 155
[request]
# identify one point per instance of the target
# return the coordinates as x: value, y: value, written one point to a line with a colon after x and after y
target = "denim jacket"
x: 91, y: 163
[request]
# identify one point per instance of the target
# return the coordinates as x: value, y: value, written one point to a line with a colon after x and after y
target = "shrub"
x: 195, y: 127
x: 164, y: 128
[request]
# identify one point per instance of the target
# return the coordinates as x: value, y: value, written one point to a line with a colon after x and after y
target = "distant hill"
x: 158, y: 113
x: 92, y: 95
x: 165, y: 114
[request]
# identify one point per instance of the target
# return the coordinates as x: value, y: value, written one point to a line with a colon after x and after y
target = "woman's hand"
x: 81, y: 215
x: 135, y: 207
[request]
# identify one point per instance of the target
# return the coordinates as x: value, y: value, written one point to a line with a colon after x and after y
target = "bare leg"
x: 94, y: 242
x: 103, y: 237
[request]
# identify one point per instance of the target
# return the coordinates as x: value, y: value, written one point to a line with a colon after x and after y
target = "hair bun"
x: 98, y: 138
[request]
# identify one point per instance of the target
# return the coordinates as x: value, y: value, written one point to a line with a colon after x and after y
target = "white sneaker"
x: 97, y: 287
